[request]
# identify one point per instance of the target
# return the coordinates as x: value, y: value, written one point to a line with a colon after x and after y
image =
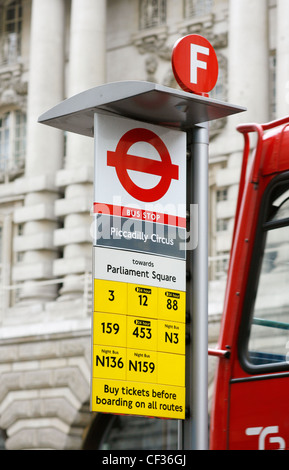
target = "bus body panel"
x: 259, y: 411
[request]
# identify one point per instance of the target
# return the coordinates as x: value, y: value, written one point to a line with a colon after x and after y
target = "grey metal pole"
x: 195, y: 427
x: 199, y: 269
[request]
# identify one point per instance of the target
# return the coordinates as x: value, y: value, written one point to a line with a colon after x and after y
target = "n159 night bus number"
x: 141, y: 366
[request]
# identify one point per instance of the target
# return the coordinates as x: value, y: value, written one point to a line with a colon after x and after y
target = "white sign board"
x: 139, y: 269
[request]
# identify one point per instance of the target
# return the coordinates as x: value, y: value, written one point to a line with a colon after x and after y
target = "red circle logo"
x: 195, y: 64
x: 123, y: 161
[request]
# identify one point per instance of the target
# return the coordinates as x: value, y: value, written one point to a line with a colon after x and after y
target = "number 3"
x: 111, y: 295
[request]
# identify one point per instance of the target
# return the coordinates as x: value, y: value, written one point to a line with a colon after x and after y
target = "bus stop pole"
x: 199, y: 268
x: 195, y: 427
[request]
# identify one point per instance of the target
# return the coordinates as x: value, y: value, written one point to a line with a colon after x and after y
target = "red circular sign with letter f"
x: 195, y: 64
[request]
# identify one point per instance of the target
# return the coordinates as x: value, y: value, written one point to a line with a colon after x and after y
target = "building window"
x: 272, y: 71
x: 197, y: 7
x: 222, y: 225
x: 10, y: 32
x: 1, y: 250
x: 6, y: 239
x: 222, y: 195
x: 12, y: 142
x: 2, y: 267
x: 152, y: 13
x: 19, y: 138
x: 222, y: 264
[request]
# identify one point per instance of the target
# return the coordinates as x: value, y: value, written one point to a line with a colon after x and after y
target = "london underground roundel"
x: 123, y: 161
x: 195, y: 64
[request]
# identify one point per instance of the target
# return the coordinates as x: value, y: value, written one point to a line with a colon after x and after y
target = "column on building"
x: 249, y: 59
x: 44, y: 152
x: 248, y: 86
x: 86, y: 69
x: 282, y: 59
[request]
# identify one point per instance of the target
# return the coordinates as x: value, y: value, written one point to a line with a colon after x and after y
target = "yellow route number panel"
x: 142, y: 300
x: 142, y: 333
x: 171, y: 305
x: 138, y: 358
x: 109, y: 329
x: 110, y: 296
x: 138, y: 365
x: 139, y: 300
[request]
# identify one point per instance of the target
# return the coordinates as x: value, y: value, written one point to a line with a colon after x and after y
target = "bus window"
x: 265, y: 343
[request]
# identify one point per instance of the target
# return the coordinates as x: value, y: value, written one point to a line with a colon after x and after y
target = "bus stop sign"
x: 139, y: 364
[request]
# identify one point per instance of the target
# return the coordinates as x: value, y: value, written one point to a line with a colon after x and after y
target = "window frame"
x: 160, y: 19
x: 13, y: 163
x: 6, y: 223
x: 263, y: 226
x: 10, y: 30
x: 198, y: 8
x: 222, y: 224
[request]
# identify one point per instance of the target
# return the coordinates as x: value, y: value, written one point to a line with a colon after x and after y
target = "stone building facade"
x: 49, y: 51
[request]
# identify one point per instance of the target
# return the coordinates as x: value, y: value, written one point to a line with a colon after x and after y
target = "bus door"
x: 258, y: 404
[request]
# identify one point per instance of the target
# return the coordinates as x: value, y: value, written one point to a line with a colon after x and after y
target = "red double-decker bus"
x: 250, y: 404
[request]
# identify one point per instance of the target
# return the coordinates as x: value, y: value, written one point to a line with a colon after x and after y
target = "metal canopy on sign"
x: 142, y: 101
